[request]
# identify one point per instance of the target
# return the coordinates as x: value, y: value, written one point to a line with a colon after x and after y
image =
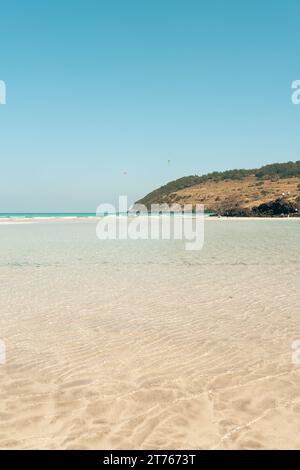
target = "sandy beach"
x: 141, y: 344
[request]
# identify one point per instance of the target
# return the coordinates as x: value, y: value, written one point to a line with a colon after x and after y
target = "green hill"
x: 271, y: 172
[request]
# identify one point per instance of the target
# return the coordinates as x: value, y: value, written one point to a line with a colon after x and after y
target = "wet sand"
x: 141, y: 344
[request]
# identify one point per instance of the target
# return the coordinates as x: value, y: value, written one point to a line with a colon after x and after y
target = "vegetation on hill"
x: 279, y: 170
x: 271, y: 172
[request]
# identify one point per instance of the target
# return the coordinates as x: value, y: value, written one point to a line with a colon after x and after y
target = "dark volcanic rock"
x: 236, y: 212
x: 277, y: 207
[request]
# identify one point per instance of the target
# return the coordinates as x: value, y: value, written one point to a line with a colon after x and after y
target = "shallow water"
x: 141, y: 344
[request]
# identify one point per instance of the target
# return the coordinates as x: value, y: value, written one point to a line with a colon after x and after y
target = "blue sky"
x: 99, y: 88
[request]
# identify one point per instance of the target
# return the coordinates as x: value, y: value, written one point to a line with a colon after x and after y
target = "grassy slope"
x: 243, y: 188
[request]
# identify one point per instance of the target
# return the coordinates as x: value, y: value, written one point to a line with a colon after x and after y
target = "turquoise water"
x: 31, y: 215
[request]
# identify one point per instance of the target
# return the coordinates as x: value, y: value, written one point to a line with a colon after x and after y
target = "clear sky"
x: 96, y: 88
